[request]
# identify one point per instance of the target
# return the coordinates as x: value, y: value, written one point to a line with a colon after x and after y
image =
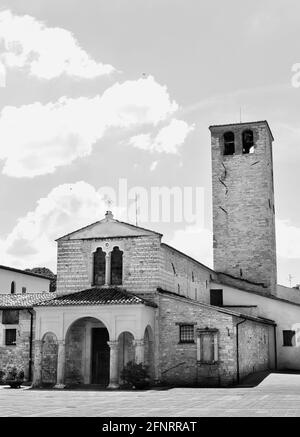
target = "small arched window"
x: 99, y: 267
x: 229, y: 147
x: 248, y: 144
x: 13, y: 287
x: 116, y: 266
x: 23, y: 290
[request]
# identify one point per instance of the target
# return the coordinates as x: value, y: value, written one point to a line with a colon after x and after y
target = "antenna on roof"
x: 290, y: 280
x: 136, y: 209
x: 240, y: 114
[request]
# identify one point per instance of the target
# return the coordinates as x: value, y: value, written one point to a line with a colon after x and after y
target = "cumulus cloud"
x: 168, y: 139
x: 66, y: 208
x: 196, y: 242
x: 287, y: 239
x: 38, y: 138
x: 45, y: 52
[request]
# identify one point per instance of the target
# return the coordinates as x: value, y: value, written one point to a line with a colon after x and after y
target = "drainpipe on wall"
x: 275, y: 348
x: 237, y: 351
x: 30, y: 346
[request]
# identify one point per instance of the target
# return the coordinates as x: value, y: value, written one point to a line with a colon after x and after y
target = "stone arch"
x: 87, y: 352
x: 149, y: 351
x: 49, y: 359
x: 126, y: 350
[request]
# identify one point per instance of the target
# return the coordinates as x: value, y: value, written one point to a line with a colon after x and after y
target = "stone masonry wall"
x: 17, y: 355
x: 140, y: 263
x: 253, y: 347
x: 178, y: 362
x: 180, y: 274
x: 243, y: 206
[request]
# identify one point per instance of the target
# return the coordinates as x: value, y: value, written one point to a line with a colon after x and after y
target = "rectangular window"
x: 288, y: 337
x: 216, y: 298
x: 10, y: 317
x: 186, y: 334
x: 10, y: 337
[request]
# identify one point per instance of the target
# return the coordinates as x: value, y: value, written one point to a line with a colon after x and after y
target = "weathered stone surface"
x: 243, y: 206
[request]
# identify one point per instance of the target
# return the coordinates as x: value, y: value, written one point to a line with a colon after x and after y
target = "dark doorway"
x: 100, y: 356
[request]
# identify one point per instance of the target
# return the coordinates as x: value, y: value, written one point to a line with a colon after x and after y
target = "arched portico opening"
x: 49, y: 359
x: 149, y: 351
x: 126, y: 351
x: 87, y: 352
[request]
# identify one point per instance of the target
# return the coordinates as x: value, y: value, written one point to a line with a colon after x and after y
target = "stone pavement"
x: 277, y: 395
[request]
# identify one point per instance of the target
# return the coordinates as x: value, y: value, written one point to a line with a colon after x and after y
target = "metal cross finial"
x: 108, y: 202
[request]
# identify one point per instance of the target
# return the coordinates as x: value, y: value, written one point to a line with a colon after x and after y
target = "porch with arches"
x: 76, y: 346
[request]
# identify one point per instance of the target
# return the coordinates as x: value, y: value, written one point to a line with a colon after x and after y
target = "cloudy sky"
x: 95, y: 91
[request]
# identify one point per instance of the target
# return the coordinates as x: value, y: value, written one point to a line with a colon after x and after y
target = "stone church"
x: 123, y: 294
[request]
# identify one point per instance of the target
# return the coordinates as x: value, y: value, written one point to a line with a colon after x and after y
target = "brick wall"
x: 243, y: 206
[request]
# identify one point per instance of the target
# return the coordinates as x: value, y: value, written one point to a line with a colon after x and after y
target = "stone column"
x: 114, y: 364
x: 139, y: 351
x: 37, y: 370
x: 107, y: 269
x: 60, y: 378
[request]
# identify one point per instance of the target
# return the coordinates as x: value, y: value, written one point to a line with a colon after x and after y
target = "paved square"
x: 277, y: 395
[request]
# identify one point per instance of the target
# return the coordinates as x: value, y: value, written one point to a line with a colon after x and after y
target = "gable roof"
x: 97, y: 296
x: 24, y: 272
x: 108, y: 228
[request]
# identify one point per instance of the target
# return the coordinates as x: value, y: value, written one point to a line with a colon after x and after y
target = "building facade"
x: 124, y: 295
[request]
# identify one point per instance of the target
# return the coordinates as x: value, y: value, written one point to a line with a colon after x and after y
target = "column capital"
x: 139, y: 343
x: 113, y: 344
x: 61, y: 342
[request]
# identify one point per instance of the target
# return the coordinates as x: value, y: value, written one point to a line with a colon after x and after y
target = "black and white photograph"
x: 149, y: 212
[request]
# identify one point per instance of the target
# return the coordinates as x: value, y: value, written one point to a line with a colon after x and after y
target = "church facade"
x: 124, y: 295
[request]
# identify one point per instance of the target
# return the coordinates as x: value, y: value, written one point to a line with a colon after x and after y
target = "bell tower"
x: 243, y: 202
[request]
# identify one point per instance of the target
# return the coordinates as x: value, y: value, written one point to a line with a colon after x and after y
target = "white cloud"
x: 66, y: 208
x: 287, y: 239
x: 46, y: 52
x: 168, y: 139
x: 36, y: 138
x: 196, y: 242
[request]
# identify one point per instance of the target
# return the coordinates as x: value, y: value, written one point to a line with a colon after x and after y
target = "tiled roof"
x: 98, y: 296
x: 27, y: 300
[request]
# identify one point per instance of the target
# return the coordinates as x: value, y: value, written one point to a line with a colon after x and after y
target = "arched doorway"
x: 126, y: 350
x: 87, y: 352
x: 49, y: 359
x: 149, y: 351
